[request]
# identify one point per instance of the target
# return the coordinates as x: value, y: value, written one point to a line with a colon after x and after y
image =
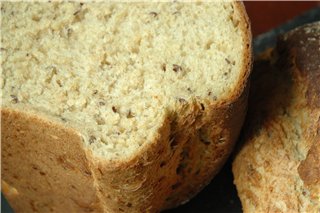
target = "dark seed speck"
x: 176, y: 68
x: 14, y: 99
x: 154, y: 14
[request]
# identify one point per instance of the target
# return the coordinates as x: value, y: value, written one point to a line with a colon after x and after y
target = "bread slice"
x: 278, y: 168
x: 119, y: 106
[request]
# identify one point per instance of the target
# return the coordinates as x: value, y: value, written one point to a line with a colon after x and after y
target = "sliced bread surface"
x: 139, y: 84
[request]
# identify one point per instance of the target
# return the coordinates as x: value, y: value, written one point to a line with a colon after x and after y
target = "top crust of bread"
x: 278, y: 167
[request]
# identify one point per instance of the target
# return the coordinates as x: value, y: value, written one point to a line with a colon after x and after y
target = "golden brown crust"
x: 208, y: 150
x: 277, y: 168
x: 45, y: 166
x: 189, y: 150
x: 309, y: 169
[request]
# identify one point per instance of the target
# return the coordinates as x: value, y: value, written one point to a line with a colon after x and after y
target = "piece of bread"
x: 278, y: 167
x: 118, y: 107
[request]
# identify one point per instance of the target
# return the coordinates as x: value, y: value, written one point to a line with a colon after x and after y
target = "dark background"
x: 276, y: 17
x: 266, y: 15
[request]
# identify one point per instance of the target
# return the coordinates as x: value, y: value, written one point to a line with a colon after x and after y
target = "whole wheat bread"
x: 278, y: 168
x: 119, y: 107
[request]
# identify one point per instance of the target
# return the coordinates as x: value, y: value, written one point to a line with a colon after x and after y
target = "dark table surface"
x: 221, y: 195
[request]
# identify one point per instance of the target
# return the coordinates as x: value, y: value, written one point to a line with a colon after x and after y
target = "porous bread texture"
x: 278, y: 167
x: 115, y: 71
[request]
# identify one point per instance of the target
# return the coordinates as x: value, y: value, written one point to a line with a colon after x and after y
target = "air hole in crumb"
x: 88, y: 173
x: 101, y: 103
x: 95, y: 92
x: 114, y: 109
x: 235, y: 22
x: 129, y: 205
x: 182, y: 100
x: 42, y: 173
x: 121, y: 210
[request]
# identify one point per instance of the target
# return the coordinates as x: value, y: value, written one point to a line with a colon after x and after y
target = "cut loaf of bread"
x: 119, y: 106
x: 278, y: 167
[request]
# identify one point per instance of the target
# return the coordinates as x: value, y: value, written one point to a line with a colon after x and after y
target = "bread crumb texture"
x: 115, y: 71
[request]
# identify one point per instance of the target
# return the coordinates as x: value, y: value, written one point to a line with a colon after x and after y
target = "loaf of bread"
x: 119, y: 107
x: 278, y: 167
